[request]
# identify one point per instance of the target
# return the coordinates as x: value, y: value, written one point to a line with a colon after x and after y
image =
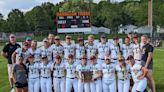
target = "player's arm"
x: 4, y: 51
x: 77, y: 75
x: 13, y: 57
x: 150, y: 54
x: 145, y: 70
x: 99, y: 74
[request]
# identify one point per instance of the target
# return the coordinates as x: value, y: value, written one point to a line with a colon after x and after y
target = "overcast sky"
x: 24, y: 5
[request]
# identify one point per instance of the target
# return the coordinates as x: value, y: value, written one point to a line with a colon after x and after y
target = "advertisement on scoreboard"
x: 68, y: 22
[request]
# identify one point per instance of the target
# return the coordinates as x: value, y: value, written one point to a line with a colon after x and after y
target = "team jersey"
x: 33, y: 70
x: 91, y: 50
x: 108, y: 71
x: 137, y: 51
x: 114, y: 51
x: 136, y: 71
x: 45, y: 69
x: 47, y: 52
x: 81, y: 68
x: 80, y: 50
x: 103, y: 49
x: 24, y: 54
x: 68, y: 49
x: 123, y: 73
x: 36, y: 53
x: 127, y: 50
x: 95, y: 68
x: 57, y: 50
x: 70, y: 70
x: 58, y: 69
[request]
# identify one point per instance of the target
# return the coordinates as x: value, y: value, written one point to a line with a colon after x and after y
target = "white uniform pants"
x: 33, y: 85
x: 123, y: 85
x: 71, y: 83
x: 83, y: 86
x: 96, y: 86
x: 46, y: 84
x: 140, y: 85
x: 109, y: 85
x: 59, y: 84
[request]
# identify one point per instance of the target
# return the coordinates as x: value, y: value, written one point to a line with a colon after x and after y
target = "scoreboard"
x: 68, y: 22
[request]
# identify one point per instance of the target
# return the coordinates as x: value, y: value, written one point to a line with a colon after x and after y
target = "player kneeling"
x: 123, y: 73
x: 71, y: 80
x: 138, y: 73
x: 33, y: 75
x: 84, y: 75
x: 95, y: 85
x: 109, y: 76
x: 46, y: 81
x: 58, y: 70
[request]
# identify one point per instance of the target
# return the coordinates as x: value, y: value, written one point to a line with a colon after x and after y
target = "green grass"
x: 158, y: 71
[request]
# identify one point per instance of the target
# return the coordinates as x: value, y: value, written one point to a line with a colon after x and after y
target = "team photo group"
x: 84, y: 66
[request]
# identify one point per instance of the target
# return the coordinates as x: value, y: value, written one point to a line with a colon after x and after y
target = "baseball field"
x: 158, y: 71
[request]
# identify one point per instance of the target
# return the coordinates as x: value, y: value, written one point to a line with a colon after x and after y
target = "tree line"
x: 42, y: 18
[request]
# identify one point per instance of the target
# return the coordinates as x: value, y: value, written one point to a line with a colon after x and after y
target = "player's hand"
x: 140, y: 77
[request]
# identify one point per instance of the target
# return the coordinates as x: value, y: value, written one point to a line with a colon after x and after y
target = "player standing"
x: 58, y: 69
x: 115, y: 50
x: 91, y: 48
x: 95, y: 85
x: 123, y: 73
x: 46, y: 49
x: 71, y: 80
x: 103, y: 48
x: 33, y: 74
x: 46, y: 80
x: 69, y: 47
x: 82, y: 85
x: 57, y: 48
x: 109, y: 76
x: 80, y: 49
x: 138, y: 73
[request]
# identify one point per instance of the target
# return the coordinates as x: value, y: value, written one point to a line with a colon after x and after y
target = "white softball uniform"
x: 80, y: 50
x: 123, y: 74
x: 33, y: 77
x: 103, y: 49
x: 47, y: 52
x: 96, y: 85
x: 71, y: 80
x: 68, y: 49
x: 91, y: 50
x: 82, y: 86
x: 137, y: 52
x: 114, y: 53
x: 109, y: 77
x: 58, y: 77
x: 57, y: 50
x: 25, y: 54
x: 36, y: 53
x: 46, y: 81
x: 139, y: 85
x: 127, y: 50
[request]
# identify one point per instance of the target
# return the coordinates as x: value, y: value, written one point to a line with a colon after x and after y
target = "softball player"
x: 109, y: 76
x: 80, y: 68
x: 137, y: 51
x: 80, y: 49
x: 91, y: 48
x: 71, y: 80
x: 103, y: 49
x: 46, y: 81
x: 115, y: 50
x: 46, y: 49
x: 35, y: 51
x: 123, y: 73
x: 58, y: 69
x: 127, y: 48
x: 57, y: 48
x: 95, y: 85
x: 33, y: 75
x: 138, y: 74
x: 69, y: 48
x: 21, y: 51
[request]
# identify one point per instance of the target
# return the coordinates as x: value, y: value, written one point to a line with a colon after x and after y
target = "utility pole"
x: 150, y: 16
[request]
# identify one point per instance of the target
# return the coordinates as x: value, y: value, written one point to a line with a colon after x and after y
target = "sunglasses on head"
x: 12, y: 37
x: 84, y: 58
